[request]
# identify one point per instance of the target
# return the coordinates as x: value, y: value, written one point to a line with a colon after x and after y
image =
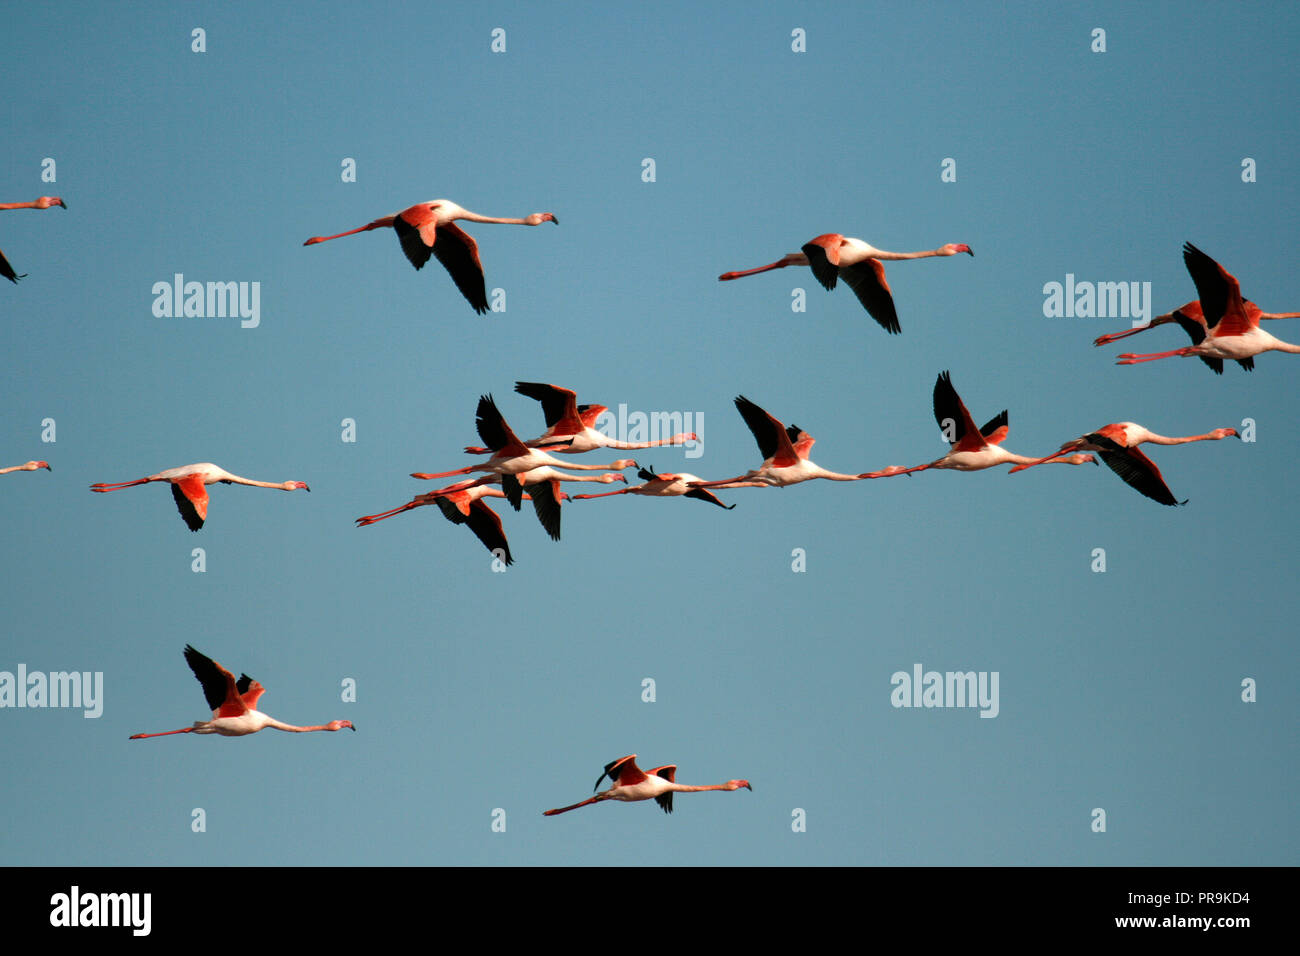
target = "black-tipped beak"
x: 352, y: 727
x: 970, y: 252
x: 749, y: 788
x: 554, y: 219
x: 47, y: 467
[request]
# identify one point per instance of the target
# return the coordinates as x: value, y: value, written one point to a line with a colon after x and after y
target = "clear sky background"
x: 480, y: 690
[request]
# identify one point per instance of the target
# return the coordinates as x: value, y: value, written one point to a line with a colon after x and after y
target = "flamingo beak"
x: 749, y: 788
x: 554, y: 219
x: 352, y: 727
x: 46, y: 466
x: 970, y: 252
x: 63, y: 204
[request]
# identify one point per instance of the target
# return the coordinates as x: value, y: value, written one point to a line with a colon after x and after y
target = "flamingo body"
x: 233, y: 704
x: 833, y: 257
x: 188, y: 484
x: 429, y: 229
x: 631, y: 784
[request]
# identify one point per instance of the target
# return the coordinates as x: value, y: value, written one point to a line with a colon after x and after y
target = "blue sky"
x: 478, y: 690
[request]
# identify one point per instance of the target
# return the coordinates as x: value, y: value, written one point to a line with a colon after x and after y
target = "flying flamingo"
x: 44, y: 202
x: 631, y: 783
x: 1191, y: 312
x: 785, y: 454
x: 461, y: 505
x: 510, y: 456
x: 429, y: 228
x: 567, y: 420
x: 234, y: 704
x: 1231, y: 329
x: 1118, y: 446
x: 973, y: 449
x: 833, y: 256
x: 664, y: 486
x: 543, y: 485
x: 188, y: 489
x: 30, y: 466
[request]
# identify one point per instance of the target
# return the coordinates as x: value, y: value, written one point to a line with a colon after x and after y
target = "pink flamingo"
x: 785, y: 454
x: 1231, y: 325
x: 973, y: 449
x: 461, y: 505
x: 833, y: 257
x: 188, y: 488
x: 631, y: 783
x: 570, y: 427
x: 429, y: 228
x: 1118, y: 446
x: 664, y: 486
x: 234, y: 704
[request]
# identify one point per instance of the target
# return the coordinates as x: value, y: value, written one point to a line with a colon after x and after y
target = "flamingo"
x: 570, y: 427
x: 510, y: 456
x: 664, y: 486
x: 543, y: 485
x: 785, y: 454
x: 973, y: 449
x: 833, y: 256
x: 631, y: 783
x: 188, y: 489
x: 234, y: 704
x: 30, y: 466
x: 1231, y: 325
x: 429, y: 228
x: 44, y: 202
x: 1118, y: 446
x: 461, y: 505
x: 1192, y: 313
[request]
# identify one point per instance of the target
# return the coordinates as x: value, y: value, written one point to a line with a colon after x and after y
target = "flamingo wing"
x: 191, y: 497
x: 7, y: 270
x: 458, y: 253
x: 867, y: 280
x: 494, y: 430
x: 954, y: 418
x: 622, y: 773
x: 669, y: 773
x: 823, y: 255
x: 559, y: 406
x: 1219, y: 292
x: 995, y: 430
x: 546, y: 502
x: 774, y: 442
x: 219, y: 687
x: 1135, y: 469
x: 480, y: 519
x: 417, y: 231
x: 250, y: 691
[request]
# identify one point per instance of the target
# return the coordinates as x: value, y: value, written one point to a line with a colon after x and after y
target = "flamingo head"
x: 295, y: 485
x: 737, y: 784
x: 951, y: 249
x: 537, y: 218
x: 1216, y: 434
x: 613, y: 476
x: 625, y: 463
x: 339, y: 725
x: 45, y: 202
x: 33, y: 465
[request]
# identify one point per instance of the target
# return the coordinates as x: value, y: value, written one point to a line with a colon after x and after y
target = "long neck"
x: 475, y: 217
x: 1208, y: 436
x: 882, y: 254
x: 686, y: 788
x: 675, y: 440
x: 833, y: 475
x: 612, y: 466
x: 5, y: 471
x: 282, y: 485
x: 272, y: 722
x: 20, y: 205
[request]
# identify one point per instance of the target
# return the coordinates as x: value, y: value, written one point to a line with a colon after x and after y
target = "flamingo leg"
x: 1129, y: 358
x: 165, y: 733
x: 596, y: 799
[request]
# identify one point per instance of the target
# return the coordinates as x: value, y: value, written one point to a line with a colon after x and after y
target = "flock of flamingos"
x: 1220, y: 323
